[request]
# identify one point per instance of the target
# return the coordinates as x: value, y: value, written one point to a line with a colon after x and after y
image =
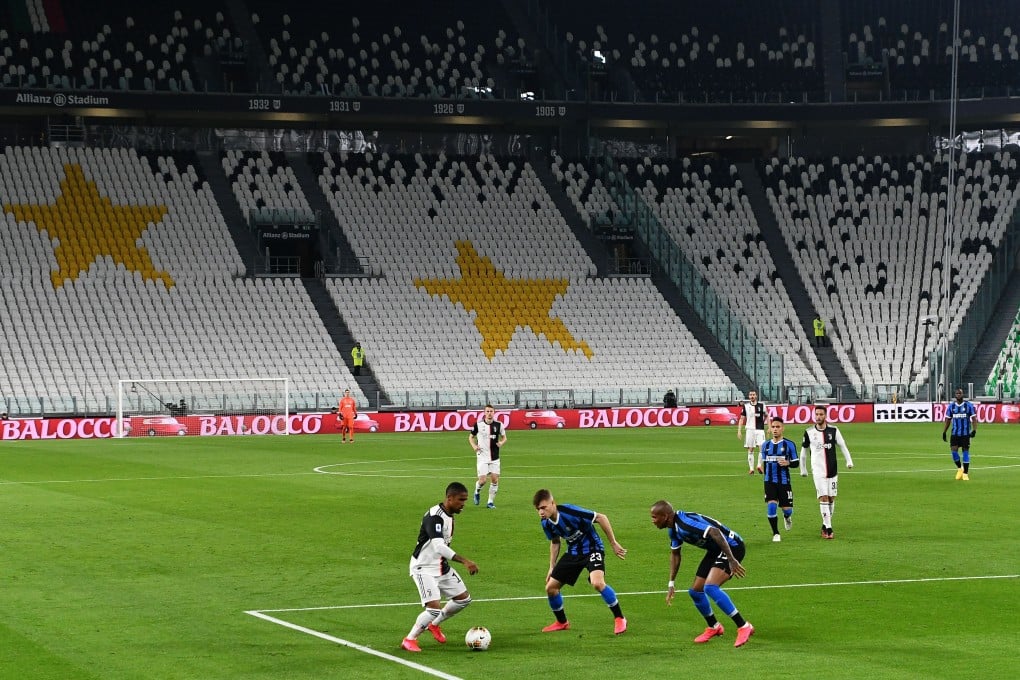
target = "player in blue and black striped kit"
x: 962, y: 416
x: 723, y: 551
x: 576, y: 526
x: 776, y: 457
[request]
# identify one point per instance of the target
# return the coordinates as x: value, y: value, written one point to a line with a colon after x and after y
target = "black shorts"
x: 781, y: 493
x: 715, y: 557
x: 960, y: 441
x: 570, y: 566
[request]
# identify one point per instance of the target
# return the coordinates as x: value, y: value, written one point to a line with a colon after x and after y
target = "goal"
x: 177, y: 407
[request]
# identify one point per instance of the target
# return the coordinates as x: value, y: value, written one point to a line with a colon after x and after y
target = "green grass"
x: 139, y: 559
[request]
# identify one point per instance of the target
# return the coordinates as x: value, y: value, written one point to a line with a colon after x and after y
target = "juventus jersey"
x: 821, y: 445
x: 432, y: 550
x: 487, y: 435
x: 755, y: 415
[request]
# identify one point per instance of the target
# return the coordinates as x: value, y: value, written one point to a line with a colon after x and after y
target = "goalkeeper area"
x: 287, y: 557
x: 169, y: 408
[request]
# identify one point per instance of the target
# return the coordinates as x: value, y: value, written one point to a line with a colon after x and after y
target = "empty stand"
x: 702, y: 205
x: 265, y: 187
x: 1007, y: 367
x: 722, y: 51
x: 913, y: 39
x: 482, y: 285
x: 112, y: 314
x: 116, y: 45
x: 452, y: 50
x: 868, y: 236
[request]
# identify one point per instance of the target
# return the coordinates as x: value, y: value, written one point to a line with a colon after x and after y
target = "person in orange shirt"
x: 348, y: 411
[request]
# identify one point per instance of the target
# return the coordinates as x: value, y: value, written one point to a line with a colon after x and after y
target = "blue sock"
x: 701, y: 602
x: 609, y: 595
x: 556, y: 602
x: 956, y: 458
x: 787, y: 512
x: 966, y: 456
x: 772, y: 506
x: 721, y: 599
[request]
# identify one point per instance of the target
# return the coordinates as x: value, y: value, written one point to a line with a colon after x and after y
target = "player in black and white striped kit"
x: 486, y: 437
x: 755, y: 417
x: 431, y: 571
x: 818, y: 453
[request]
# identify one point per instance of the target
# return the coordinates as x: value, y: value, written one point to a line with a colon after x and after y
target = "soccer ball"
x: 478, y: 639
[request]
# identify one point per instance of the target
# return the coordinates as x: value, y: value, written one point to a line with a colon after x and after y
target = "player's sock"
x: 702, y: 604
x: 787, y: 512
x: 826, y: 514
x: 556, y: 604
x: 721, y: 599
x: 422, y: 622
x: 773, y: 516
x: 493, y: 490
x: 750, y: 460
x: 956, y: 458
x: 832, y: 510
x: 478, y: 488
x: 966, y: 461
x: 452, y: 608
x: 609, y: 597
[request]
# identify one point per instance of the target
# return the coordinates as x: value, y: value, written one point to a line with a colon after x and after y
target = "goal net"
x: 202, y: 406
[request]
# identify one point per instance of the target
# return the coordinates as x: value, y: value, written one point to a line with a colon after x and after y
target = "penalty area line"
x: 353, y: 645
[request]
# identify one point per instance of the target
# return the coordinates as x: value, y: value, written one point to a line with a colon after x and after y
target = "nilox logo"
x: 910, y: 412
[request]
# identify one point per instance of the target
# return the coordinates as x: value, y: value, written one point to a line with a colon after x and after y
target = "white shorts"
x: 754, y: 438
x: 825, y: 486
x: 434, y: 588
x: 487, y: 467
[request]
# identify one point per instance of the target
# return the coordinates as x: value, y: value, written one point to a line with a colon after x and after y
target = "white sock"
x: 493, y: 490
x: 750, y: 460
x: 826, y: 514
x: 422, y: 622
x: 451, y: 608
x: 478, y: 487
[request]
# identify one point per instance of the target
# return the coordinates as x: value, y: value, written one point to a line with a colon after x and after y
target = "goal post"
x: 151, y: 407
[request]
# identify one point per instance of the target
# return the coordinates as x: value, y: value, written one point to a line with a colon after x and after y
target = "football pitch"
x: 286, y: 557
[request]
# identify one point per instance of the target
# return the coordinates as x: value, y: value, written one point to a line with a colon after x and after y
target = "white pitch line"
x: 9, y: 482
x: 657, y: 592
x: 437, y: 473
x: 353, y: 645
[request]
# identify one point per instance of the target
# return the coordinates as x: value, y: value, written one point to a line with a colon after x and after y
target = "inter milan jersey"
x: 771, y: 453
x: 690, y: 527
x: 576, y: 526
x: 961, y: 414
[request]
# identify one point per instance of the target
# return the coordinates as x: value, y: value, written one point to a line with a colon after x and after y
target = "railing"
x: 957, y: 354
x: 106, y: 405
x: 282, y: 265
x: 538, y: 398
x: 763, y: 367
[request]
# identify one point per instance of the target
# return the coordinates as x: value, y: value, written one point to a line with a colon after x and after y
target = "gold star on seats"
x: 88, y: 226
x: 503, y: 305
